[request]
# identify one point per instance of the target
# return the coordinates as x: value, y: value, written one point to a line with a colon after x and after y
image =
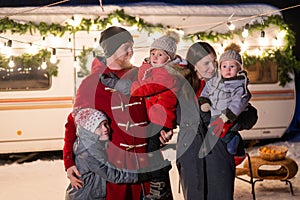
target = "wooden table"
x: 287, y: 169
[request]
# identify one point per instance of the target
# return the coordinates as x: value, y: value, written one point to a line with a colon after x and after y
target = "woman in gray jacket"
x: 91, y: 159
x: 213, y: 175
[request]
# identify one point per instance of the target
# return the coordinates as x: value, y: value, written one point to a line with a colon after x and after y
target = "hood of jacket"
x: 90, y: 141
x: 176, y: 67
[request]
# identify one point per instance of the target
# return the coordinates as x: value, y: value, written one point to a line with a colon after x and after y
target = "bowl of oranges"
x: 272, y: 153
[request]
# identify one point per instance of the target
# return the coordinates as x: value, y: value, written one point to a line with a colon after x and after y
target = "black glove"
x: 148, y: 173
x: 109, y: 81
x: 247, y: 119
x: 146, y: 176
x: 121, y: 85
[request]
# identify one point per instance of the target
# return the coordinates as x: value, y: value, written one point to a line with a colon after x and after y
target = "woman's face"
x: 206, y: 67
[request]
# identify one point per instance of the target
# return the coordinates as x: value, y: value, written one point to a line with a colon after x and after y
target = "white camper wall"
x: 34, y: 120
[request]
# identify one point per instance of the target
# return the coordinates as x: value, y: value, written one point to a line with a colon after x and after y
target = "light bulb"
x: 76, y: 64
x: 11, y: 63
x: 31, y: 49
x: 231, y: 26
x: 44, y: 64
x: 95, y: 45
x: 245, y: 32
x: 70, y: 46
x: 115, y: 22
x: 262, y: 39
x: 281, y: 34
x: 43, y: 42
x: 76, y: 20
x: 9, y: 43
x: 7, y: 50
x: 53, y: 58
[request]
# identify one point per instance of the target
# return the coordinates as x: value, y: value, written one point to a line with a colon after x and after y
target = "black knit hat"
x: 112, y: 38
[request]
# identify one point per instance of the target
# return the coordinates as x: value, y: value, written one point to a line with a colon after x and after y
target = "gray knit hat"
x: 112, y: 38
x: 167, y: 44
x: 231, y: 55
x: 89, y: 118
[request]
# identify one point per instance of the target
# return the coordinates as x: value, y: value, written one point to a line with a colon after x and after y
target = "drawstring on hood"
x: 244, y: 74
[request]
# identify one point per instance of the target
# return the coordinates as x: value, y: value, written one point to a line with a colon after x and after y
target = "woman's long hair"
x: 195, y: 53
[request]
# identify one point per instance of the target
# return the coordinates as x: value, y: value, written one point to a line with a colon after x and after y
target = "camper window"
x: 24, y: 79
x: 262, y: 73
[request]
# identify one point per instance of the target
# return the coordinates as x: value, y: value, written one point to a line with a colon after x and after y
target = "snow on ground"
x: 46, y: 180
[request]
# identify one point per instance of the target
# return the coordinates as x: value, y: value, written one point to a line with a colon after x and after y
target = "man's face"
x: 123, y: 54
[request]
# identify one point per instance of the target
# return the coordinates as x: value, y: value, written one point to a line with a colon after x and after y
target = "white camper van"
x: 33, y: 111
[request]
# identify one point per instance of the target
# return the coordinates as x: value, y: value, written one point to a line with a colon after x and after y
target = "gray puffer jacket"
x: 227, y: 95
x: 91, y: 161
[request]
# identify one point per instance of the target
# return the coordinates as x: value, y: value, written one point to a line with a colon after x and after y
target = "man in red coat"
x: 127, y: 116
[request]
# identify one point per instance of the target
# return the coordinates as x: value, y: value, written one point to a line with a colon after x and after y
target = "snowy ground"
x: 46, y: 179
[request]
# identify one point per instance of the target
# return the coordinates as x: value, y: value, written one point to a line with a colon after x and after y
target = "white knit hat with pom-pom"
x: 89, y: 118
x: 167, y: 43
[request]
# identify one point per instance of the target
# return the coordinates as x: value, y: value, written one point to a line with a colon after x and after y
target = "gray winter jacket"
x: 229, y: 96
x: 91, y: 161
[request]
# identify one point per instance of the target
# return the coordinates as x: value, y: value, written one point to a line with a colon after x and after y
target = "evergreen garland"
x: 27, y: 61
x: 284, y: 57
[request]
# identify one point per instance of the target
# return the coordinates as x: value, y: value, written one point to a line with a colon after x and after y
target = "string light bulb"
x: 262, y: 39
x: 11, y: 63
x: 31, y: 49
x: 76, y: 20
x: 95, y: 45
x: 70, y: 46
x: 115, y: 21
x: 7, y: 50
x: 245, y: 32
x: 53, y: 58
x: 43, y: 42
x: 9, y: 43
x: 44, y: 64
x: 230, y: 26
x: 76, y: 64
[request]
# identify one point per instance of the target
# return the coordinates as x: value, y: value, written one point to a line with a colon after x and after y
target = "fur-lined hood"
x: 176, y: 67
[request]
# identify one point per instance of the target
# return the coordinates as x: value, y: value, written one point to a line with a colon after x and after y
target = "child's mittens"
x: 205, y: 107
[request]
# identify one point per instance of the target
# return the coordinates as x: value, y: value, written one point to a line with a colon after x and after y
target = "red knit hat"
x: 89, y: 118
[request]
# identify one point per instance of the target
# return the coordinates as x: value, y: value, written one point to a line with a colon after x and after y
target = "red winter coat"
x: 92, y: 93
x: 160, y: 86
